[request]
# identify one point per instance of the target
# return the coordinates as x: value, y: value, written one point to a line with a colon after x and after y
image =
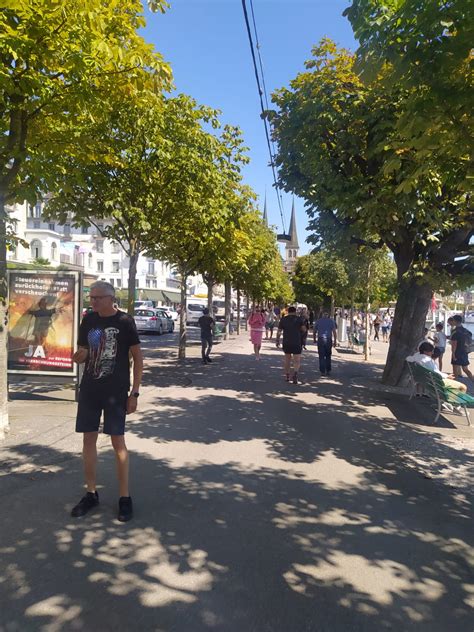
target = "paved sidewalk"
x: 260, y: 506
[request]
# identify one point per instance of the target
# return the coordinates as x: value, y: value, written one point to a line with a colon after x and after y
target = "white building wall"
x: 86, y: 249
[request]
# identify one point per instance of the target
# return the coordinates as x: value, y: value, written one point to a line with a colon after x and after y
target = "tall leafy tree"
x: 60, y: 61
x: 339, y: 148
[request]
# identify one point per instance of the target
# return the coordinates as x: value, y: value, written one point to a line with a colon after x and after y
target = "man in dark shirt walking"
x: 106, y: 336
x: 292, y: 327
x: 325, y: 332
x: 207, y: 324
x: 460, y: 342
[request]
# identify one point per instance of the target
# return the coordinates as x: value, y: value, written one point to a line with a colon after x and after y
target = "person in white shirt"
x: 440, y: 343
x: 424, y: 358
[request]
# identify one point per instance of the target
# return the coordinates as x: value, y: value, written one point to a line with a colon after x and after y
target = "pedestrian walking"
x: 304, y: 334
x: 207, y: 325
x: 461, y: 340
x: 325, y: 332
x: 292, y: 327
x: 377, y: 323
x: 440, y: 343
x: 106, y: 337
x: 256, y: 323
x: 386, y: 326
x: 270, y: 320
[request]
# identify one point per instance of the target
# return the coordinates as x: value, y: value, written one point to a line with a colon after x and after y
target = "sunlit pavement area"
x: 260, y: 506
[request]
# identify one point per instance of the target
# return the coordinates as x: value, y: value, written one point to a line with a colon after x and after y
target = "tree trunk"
x: 132, y: 275
x: 352, y: 314
x: 227, y: 299
x: 4, y: 423
x: 238, y: 312
x: 407, y: 328
x: 247, y: 310
x: 210, y: 285
x: 367, y: 310
x: 182, y: 318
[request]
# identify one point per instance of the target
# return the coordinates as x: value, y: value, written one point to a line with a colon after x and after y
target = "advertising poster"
x: 43, y: 308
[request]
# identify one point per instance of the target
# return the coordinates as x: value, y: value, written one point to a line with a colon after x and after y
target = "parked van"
x: 194, y: 310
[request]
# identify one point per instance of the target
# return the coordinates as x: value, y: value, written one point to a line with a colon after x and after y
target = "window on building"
x: 148, y: 284
x: 100, y: 228
x: 89, y: 259
x: 35, y: 249
x: 115, y: 247
x: 155, y: 283
x: 115, y: 266
x: 99, y: 244
x: 85, y: 230
x: 100, y: 266
x: 36, y: 224
x: 67, y: 229
x: 136, y: 282
x: 111, y: 281
x: 52, y: 226
x: 54, y: 251
x: 119, y: 282
x: 151, y: 267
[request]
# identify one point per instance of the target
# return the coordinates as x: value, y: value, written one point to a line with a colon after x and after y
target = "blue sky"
x: 205, y: 41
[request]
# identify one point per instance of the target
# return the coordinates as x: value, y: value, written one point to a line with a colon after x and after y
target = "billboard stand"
x: 45, y: 311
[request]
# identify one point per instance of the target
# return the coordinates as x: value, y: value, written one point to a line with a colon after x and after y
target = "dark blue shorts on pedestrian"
x: 94, y: 402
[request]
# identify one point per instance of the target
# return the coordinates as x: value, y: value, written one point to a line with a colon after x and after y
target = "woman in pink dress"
x: 256, y: 323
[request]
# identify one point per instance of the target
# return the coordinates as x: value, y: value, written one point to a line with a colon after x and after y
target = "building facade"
x: 85, y: 249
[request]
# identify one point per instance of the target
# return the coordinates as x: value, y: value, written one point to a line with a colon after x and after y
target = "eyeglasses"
x: 95, y: 298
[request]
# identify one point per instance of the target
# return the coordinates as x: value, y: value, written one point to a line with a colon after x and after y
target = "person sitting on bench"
x: 424, y: 357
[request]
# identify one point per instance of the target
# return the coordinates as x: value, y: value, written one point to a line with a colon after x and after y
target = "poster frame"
x: 60, y: 376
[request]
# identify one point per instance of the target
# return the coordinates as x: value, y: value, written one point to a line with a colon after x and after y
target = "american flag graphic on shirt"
x: 102, y: 351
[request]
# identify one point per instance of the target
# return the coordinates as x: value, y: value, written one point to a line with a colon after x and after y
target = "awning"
x: 159, y: 295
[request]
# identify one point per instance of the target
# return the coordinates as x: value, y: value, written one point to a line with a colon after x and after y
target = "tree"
x: 60, y: 61
x: 123, y: 182
x: 425, y: 46
x: 339, y: 148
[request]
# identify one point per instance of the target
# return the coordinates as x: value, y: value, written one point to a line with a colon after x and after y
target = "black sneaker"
x: 208, y: 359
x: 295, y: 378
x: 87, y: 502
x: 125, y: 512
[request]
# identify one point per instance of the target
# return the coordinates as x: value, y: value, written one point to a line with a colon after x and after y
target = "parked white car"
x: 194, y: 310
x: 150, y: 321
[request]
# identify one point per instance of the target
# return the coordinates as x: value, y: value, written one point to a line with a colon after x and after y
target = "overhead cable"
x: 263, y: 94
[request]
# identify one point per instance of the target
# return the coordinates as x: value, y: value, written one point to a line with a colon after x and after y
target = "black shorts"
x: 93, y: 402
x: 462, y: 359
x: 293, y: 349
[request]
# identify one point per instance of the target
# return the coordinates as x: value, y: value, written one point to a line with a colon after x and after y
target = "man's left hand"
x: 131, y: 404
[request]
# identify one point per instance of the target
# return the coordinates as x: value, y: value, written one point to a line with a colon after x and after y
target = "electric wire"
x: 265, y: 94
x: 261, y: 95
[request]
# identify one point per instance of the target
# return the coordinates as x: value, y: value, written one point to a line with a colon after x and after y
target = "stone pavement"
x: 260, y: 506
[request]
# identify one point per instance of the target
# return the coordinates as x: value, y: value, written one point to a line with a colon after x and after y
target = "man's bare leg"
x: 297, y: 362
x: 287, y: 363
x: 121, y: 459
x: 89, y: 455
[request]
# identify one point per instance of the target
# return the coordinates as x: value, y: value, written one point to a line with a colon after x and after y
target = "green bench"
x: 433, y: 386
x: 218, y: 332
x: 355, y: 342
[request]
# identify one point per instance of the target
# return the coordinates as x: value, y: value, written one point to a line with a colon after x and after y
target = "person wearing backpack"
x: 461, y: 340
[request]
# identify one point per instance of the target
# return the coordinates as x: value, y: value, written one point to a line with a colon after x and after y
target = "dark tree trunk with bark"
x: 227, y: 299
x: 182, y: 318
x: 4, y: 424
x: 132, y: 275
x: 238, y: 311
x: 407, y: 328
x: 210, y: 285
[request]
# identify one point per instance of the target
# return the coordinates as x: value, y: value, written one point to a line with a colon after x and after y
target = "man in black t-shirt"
x: 207, y: 324
x: 461, y: 339
x: 292, y: 327
x: 106, y: 336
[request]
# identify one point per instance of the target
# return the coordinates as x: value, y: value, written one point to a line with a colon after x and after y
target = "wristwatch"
x: 134, y: 394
